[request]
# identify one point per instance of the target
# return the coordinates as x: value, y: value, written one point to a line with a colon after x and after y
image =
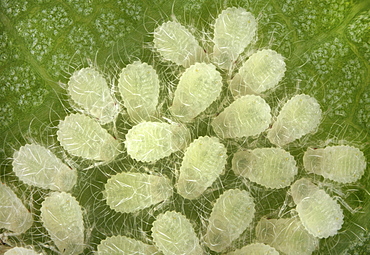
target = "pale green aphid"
x: 130, y: 192
x: 198, y: 87
x: 321, y: 215
x: 37, y: 166
x: 139, y: 87
x: 299, y: 116
x: 151, y: 141
x: 255, y: 249
x: 273, y: 168
x: 287, y: 235
x: 89, y: 90
x: 21, y: 251
x: 262, y: 71
x: 82, y: 136
x: 173, y: 234
x: 234, y: 30
x: 203, y: 162
x: 343, y: 163
x: 175, y: 43
x: 231, y: 215
x: 246, y: 116
x: 14, y: 216
x: 61, y: 215
x: 122, y: 245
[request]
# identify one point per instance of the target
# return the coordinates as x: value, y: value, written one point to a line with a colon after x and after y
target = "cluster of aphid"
x: 205, y: 157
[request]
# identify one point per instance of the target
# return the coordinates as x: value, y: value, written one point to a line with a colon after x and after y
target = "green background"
x: 327, y: 49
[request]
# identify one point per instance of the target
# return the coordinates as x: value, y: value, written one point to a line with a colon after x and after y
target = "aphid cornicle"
x: 118, y: 245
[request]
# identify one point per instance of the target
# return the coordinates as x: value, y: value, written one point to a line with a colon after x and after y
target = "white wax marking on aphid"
x: 234, y: 30
x: 273, y: 168
x: 262, y: 71
x: 175, y: 43
x: 130, y: 192
x: 14, y: 216
x: 89, y: 90
x: 82, y: 136
x: 343, y: 163
x: 321, y: 215
x: 203, y: 162
x: 21, y: 251
x: 151, y: 141
x: 231, y: 215
x: 173, y: 234
x: 37, y: 166
x: 247, y: 116
x: 139, y: 87
x: 255, y: 249
x: 299, y: 116
x: 287, y: 235
x: 61, y: 215
x: 199, y: 86
x: 118, y: 245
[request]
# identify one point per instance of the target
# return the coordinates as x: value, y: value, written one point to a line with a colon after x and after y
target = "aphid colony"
x: 204, y: 158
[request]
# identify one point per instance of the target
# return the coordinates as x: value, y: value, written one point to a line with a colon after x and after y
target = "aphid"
x: 287, y: 235
x: 14, y: 216
x: 82, y: 136
x: 246, y: 116
x: 255, y: 249
x: 203, y: 162
x: 118, y: 245
x: 231, y: 215
x: 89, y: 90
x: 298, y: 117
x: 173, y: 234
x: 198, y: 87
x: 151, y: 141
x: 262, y: 71
x: 344, y: 164
x: 234, y: 30
x: 21, y: 251
x: 130, y: 192
x: 175, y: 43
x: 320, y: 214
x: 37, y: 166
x: 273, y: 168
x: 61, y: 215
x: 139, y: 87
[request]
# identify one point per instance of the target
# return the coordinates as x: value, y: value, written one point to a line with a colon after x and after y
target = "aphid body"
x: 118, y: 245
x: 203, y: 162
x: 173, y: 234
x: 130, y: 192
x: 21, y: 251
x: 255, y: 249
x: 198, y: 87
x: 231, y: 215
x: 37, y: 166
x: 273, y: 168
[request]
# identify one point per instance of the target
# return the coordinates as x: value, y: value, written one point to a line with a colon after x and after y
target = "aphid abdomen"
x: 231, y: 215
x: 118, y: 245
x: 234, y: 30
x: 13, y: 214
x: 61, y: 215
x: 255, y: 249
x: 203, y: 162
x: 299, y: 116
x: 175, y: 43
x: 37, y: 166
x: 198, y: 87
x: 262, y: 71
x: 130, y: 192
x: 151, y: 141
x: 139, y: 88
x: 173, y: 234
x: 344, y: 164
x: 320, y: 214
x: 83, y: 137
x: 246, y: 116
x: 89, y: 89
x: 21, y: 251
